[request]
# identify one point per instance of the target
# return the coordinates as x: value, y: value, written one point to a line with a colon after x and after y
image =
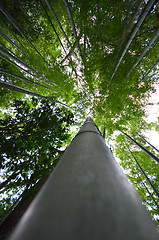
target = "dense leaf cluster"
x: 30, y: 142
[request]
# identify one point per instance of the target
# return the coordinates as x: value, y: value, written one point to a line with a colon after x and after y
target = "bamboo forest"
x: 62, y: 61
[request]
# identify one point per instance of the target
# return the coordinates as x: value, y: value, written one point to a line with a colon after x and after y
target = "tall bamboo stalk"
x: 22, y: 63
x: 144, y: 51
x: 73, y: 28
x: 58, y: 22
x: 136, y: 28
x: 147, y: 178
x: 15, y: 24
x: 143, y: 148
x: 24, y: 79
x: 87, y: 197
x: 25, y: 91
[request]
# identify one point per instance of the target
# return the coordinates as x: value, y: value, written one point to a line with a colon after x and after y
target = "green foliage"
x: 103, y: 35
x: 30, y: 142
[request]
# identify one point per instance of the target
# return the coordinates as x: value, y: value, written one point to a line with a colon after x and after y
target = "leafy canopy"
x: 81, y: 60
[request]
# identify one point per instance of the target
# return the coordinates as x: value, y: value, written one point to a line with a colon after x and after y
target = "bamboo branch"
x: 65, y: 58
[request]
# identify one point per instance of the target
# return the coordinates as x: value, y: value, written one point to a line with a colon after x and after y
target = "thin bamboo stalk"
x: 15, y: 24
x: 125, y: 24
x: 22, y: 63
x: 148, y: 142
x: 57, y: 20
x: 53, y: 27
x: 25, y: 91
x: 153, y: 187
x: 132, y: 20
x: 143, y: 78
x: 24, y: 52
x: 70, y: 59
x: 73, y: 28
x: 144, y: 51
x: 143, y: 148
x: 18, y: 66
x: 11, y: 42
x: 148, y: 191
x: 99, y: 26
x: 136, y: 28
x: 25, y: 79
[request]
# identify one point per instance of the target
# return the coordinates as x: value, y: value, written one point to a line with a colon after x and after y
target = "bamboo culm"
x: 24, y: 52
x: 25, y: 79
x: 25, y: 91
x: 13, y: 63
x: 11, y: 42
x: 144, y: 51
x: 143, y: 78
x: 99, y: 25
x: 87, y: 197
x: 17, y: 59
x: 15, y: 24
x: 125, y: 24
x: 147, y: 142
x: 137, y: 26
x: 73, y: 28
x: 155, y: 190
x: 57, y: 20
x: 132, y: 20
x: 149, y: 192
x: 143, y: 148
x: 57, y: 36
